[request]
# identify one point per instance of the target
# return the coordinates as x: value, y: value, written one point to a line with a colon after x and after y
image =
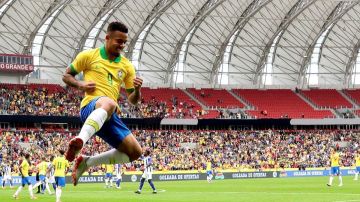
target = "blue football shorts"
x: 113, y: 131
x: 335, y: 170
x: 25, y: 180
x: 60, y: 181
x: 42, y: 177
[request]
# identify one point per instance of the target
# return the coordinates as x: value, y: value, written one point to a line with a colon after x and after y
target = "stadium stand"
x: 326, y: 98
x: 39, y: 99
x: 188, y: 150
x: 279, y: 104
x: 353, y: 94
x: 174, y: 103
x: 216, y: 98
x: 54, y: 100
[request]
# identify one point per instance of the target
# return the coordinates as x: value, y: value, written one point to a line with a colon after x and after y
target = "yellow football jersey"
x: 208, y: 166
x: 109, y: 168
x: 357, y: 160
x: 25, y: 168
x: 108, y: 75
x: 60, y: 165
x: 42, y: 167
x: 335, y: 158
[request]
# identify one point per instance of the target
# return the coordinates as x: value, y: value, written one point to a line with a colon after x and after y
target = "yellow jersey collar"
x: 105, y: 56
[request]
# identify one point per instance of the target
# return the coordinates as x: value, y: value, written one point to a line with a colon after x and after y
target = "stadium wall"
x: 202, y: 176
x: 203, y: 124
x: 313, y: 173
x: 355, y: 121
x: 168, y: 177
x: 155, y: 123
x: 7, y: 77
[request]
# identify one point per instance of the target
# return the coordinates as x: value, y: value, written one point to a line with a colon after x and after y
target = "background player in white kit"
x: 6, y: 173
x: 118, y: 172
x: 50, y: 178
x: 147, y: 175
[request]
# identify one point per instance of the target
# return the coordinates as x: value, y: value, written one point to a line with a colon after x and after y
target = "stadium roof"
x: 197, y: 42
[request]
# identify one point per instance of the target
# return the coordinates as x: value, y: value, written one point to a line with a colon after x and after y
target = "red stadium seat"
x: 279, y: 104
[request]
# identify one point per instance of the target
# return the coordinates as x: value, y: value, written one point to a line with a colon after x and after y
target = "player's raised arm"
x: 134, y: 94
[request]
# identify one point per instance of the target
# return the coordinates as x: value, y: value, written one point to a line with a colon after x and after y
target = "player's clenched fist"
x: 137, y: 82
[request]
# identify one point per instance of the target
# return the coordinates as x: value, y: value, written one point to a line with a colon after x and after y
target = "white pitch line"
x: 348, y: 201
x: 103, y: 191
x: 273, y: 193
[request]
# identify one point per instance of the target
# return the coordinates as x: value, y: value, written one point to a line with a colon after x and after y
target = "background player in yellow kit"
x: 60, y: 164
x: 24, y: 172
x: 109, y: 169
x: 357, y: 164
x: 335, y: 167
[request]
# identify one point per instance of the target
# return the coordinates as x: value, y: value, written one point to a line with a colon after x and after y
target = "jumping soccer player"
x: 105, y: 70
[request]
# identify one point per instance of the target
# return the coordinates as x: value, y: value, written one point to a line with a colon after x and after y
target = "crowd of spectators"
x: 23, y: 100
x: 26, y: 100
x: 248, y: 149
x: 161, y: 109
x: 190, y: 150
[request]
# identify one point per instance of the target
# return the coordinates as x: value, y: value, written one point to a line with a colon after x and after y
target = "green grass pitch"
x: 274, y: 190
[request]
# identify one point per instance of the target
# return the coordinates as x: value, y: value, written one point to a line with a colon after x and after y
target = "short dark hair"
x: 117, y: 26
x: 61, y: 151
x: 27, y: 155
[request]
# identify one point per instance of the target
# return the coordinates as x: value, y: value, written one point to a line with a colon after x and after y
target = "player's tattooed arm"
x: 70, y: 80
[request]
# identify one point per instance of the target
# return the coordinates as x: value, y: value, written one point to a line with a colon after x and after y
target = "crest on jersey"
x: 120, y: 74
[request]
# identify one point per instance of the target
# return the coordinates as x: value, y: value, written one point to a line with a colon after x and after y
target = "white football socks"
x: 37, y: 184
x: 18, y: 190
x: 112, y: 156
x: 58, y: 194
x: 31, y: 191
x: 48, y: 188
x: 93, y: 124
